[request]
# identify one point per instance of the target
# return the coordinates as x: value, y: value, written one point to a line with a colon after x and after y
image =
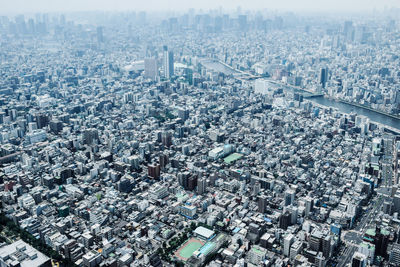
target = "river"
x: 342, y: 107
x: 346, y: 108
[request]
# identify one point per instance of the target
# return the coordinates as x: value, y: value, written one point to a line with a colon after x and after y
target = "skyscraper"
x: 150, y: 68
x: 242, y: 22
x: 348, y: 25
x: 348, y: 30
x: 168, y: 63
x: 323, y: 77
x: 100, y: 37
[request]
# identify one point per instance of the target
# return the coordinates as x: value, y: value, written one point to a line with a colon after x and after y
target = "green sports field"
x: 187, y: 249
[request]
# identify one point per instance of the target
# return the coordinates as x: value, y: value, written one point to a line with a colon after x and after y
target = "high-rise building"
x: 262, y: 203
x: 90, y: 136
x: 183, y: 178
x: 359, y: 260
x: 256, y: 188
x: 326, y: 246
x: 381, y: 241
x: 348, y: 30
x: 380, y: 238
x: 183, y: 114
x: 284, y: 220
x: 289, y: 197
x: 295, y: 249
x: 188, y: 211
x: 320, y: 260
x: 395, y: 255
x: 154, y: 171
x: 192, y: 183
x: 42, y: 120
x: 150, y: 68
x: 100, y: 37
x: 348, y: 25
x: 287, y: 242
x: 163, y: 159
x: 323, y: 78
x: 309, y: 205
x: 257, y: 255
x: 56, y: 126
x: 387, y: 164
x: 396, y: 202
x: 242, y: 19
x: 387, y: 207
x: 166, y: 139
x: 88, y: 239
x: 168, y: 63
x: 201, y: 185
x: 315, y: 240
x: 387, y: 174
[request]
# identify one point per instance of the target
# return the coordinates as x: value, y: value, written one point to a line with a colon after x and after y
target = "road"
x: 347, y: 255
x: 359, y: 230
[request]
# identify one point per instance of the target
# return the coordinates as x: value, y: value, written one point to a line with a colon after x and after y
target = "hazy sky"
x: 24, y: 6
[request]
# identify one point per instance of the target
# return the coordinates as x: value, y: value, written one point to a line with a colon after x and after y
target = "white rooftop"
x: 204, y: 232
x: 27, y: 256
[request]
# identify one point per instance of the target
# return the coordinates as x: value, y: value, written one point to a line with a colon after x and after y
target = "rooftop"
x: 23, y: 253
x: 232, y: 158
x: 204, y: 232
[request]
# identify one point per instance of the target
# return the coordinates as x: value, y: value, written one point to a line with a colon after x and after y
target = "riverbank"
x: 381, y: 118
x: 369, y: 108
x: 379, y: 124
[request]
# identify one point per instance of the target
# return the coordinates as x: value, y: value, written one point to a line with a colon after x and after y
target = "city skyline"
x: 329, y: 6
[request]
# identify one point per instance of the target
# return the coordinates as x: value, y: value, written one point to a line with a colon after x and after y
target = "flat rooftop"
x: 204, y: 232
x: 21, y: 252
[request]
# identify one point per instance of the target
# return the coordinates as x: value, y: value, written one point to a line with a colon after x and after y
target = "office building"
x: 323, y: 77
x: 151, y: 68
x: 262, y: 203
x: 168, y: 63
x: 100, y: 36
x: 287, y: 243
x: 358, y: 260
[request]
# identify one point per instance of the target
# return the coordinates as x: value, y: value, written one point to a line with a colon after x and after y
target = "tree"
x: 160, y: 251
